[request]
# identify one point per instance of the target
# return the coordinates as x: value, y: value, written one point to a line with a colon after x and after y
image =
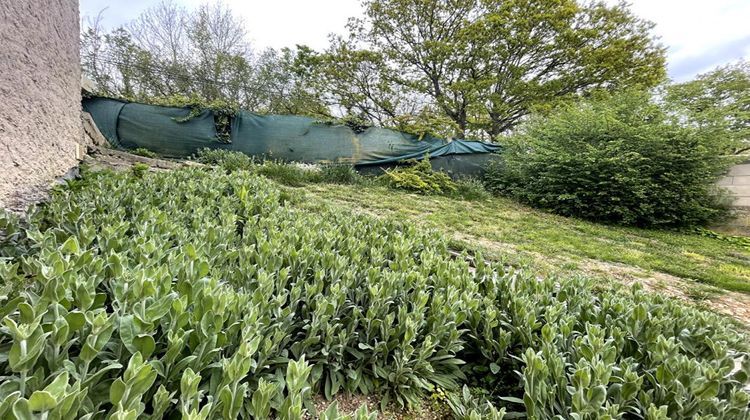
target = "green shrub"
x: 208, y: 156
x: 617, y: 159
x: 289, y: 174
x: 340, y: 174
x: 229, y: 160
x: 139, y: 169
x: 470, y: 189
x: 202, y: 294
x: 142, y: 151
x: 237, y: 162
x: 419, y: 177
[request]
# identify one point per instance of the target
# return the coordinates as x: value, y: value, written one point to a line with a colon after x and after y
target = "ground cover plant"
x: 508, y: 231
x: 210, y: 294
x: 142, y: 151
x: 419, y: 177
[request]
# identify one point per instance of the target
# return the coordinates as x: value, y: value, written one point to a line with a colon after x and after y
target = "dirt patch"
x: 349, y: 404
x: 105, y: 158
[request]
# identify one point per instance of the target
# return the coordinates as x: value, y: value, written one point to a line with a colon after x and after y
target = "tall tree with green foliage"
x: 286, y: 82
x: 170, y: 55
x: 486, y: 64
x: 718, y: 100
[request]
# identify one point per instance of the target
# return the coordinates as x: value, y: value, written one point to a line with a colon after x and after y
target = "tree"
x: 717, y: 100
x: 360, y: 83
x: 286, y: 82
x: 114, y: 61
x: 170, y: 55
x: 93, y: 48
x: 220, y: 52
x: 486, y: 64
x: 162, y: 30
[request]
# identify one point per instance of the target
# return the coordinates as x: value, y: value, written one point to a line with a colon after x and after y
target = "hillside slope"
x: 709, y: 270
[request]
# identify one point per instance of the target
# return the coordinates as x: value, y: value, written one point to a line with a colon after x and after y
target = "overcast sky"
x: 699, y: 34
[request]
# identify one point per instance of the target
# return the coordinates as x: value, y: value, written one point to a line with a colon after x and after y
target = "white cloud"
x: 285, y: 23
x: 699, y: 34
x: 270, y: 23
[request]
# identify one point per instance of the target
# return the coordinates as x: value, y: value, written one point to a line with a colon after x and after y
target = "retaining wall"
x: 737, y: 182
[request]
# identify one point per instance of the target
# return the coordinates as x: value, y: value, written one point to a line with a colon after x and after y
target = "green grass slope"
x: 504, y: 228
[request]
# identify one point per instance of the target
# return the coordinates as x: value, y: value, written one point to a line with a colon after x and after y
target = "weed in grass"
x: 288, y: 174
x: 142, y: 151
x: 230, y: 161
x: 139, y: 169
x: 419, y: 177
x: 700, y: 293
x: 340, y: 174
x: 569, y: 266
x: 470, y: 189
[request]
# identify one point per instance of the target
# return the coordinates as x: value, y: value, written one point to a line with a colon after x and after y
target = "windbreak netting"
x: 175, y: 132
x: 171, y: 132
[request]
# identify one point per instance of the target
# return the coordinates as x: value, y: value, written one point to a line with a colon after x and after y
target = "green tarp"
x: 457, y: 166
x: 158, y: 129
x: 105, y: 113
x: 166, y: 131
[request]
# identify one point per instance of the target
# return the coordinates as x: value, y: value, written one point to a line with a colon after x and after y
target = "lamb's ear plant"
x: 362, y: 413
x: 297, y: 389
x: 125, y: 393
x: 260, y: 403
x: 203, y: 294
x: 58, y: 400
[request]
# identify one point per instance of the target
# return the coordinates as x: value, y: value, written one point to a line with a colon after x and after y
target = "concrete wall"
x: 737, y: 181
x: 40, y: 97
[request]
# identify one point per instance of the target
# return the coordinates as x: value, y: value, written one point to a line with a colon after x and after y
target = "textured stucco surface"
x: 40, y: 98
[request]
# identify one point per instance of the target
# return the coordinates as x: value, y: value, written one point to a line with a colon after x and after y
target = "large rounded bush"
x: 618, y: 159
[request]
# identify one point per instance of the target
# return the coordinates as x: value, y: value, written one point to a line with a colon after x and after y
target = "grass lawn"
x: 503, y: 229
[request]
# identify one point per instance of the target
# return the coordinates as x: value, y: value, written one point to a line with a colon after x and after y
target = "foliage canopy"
x: 618, y: 159
x: 485, y: 64
x: 451, y: 68
x: 719, y: 101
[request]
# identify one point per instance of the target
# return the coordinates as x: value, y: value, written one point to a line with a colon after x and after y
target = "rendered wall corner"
x: 40, y: 94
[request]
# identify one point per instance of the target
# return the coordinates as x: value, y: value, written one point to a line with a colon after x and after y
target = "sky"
x: 699, y: 34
